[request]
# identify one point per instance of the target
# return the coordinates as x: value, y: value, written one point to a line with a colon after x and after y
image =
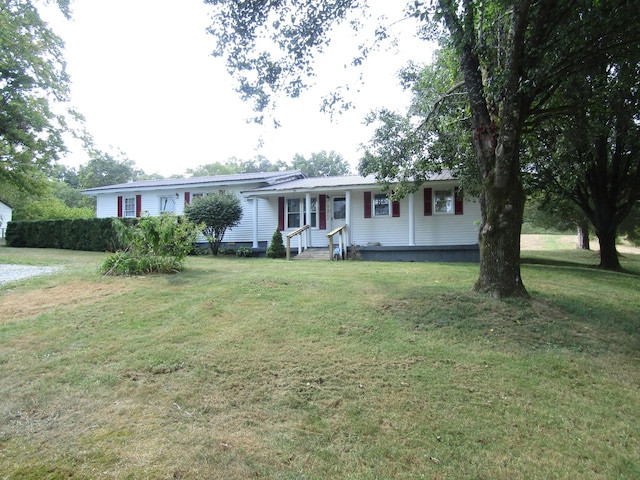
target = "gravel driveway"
x: 11, y: 273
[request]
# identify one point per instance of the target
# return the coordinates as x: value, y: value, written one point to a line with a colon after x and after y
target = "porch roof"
x: 330, y: 184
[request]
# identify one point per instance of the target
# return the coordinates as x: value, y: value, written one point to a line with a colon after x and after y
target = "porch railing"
x: 342, y: 242
x: 303, y: 238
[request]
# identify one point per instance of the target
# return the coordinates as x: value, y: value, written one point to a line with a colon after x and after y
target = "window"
x: 168, y: 203
x: 339, y: 208
x: 314, y: 212
x: 381, y: 205
x: 197, y: 195
x: 443, y: 201
x: 294, y: 211
x: 130, y: 207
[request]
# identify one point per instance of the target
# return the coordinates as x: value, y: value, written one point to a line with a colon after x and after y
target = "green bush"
x: 155, y: 245
x: 244, y: 252
x: 216, y: 213
x: 276, y: 247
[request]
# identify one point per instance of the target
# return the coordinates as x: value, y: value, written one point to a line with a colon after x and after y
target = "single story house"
x: 433, y: 223
x: 6, y: 212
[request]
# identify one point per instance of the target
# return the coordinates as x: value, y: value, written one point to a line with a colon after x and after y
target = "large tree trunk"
x: 502, y: 203
x: 608, y: 252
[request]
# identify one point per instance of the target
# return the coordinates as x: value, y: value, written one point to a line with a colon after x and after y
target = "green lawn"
x: 259, y: 368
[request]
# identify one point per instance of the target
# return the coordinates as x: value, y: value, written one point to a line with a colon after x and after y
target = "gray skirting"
x: 449, y: 253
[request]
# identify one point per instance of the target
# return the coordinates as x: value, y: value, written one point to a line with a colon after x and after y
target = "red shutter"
x: 187, y: 198
x: 428, y: 199
x: 367, y: 204
x: 458, y: 201
x: 322, y: 212
x: 281, y: 213
x: 138, y: 205
x: 395, y: 208
x: 120, y: 206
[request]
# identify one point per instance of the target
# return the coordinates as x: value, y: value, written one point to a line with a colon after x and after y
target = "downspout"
x: 307, y: 217
x: 412, y: 221
x: 347, y: 217
x: 255, y: 222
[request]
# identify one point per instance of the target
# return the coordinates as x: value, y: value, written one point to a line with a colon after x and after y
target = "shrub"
x: 216, y: 213
x: 90, y: 234
x: 276, y: 247
x: 154, y: 245
x: 244, y: 252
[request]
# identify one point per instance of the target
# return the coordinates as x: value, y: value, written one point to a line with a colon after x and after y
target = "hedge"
x: 89, y: 234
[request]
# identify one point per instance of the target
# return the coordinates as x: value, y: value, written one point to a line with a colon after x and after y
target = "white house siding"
x: 5, y: 217
x: 244, y: 231
x: 107, y: 205
x: 433, y: 230
x: 387, y: 230
x: 267, y: 218
x: 5, y: 212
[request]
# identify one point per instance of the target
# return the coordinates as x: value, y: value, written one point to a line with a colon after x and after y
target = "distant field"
x: 561, y: 242
x: 257, y: 368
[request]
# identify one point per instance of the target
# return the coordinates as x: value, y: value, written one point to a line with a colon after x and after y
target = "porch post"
x: 255, y: 222
x: 347, y: 201
x: 307, y: 217
x: 412, y: 222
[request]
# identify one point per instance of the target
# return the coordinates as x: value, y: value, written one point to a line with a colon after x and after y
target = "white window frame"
x: 299, y: 212
x: 381, y: 200
x: 129, y: 207
x: 314, y: 212
x: 163, y: 203
x: 444, y: 201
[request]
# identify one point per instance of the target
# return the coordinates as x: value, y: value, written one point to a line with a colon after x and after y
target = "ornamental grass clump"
x: 155, y: 245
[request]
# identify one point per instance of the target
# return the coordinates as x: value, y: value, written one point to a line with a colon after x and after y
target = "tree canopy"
x: 32, y: 79
x: 321, y: 164
x: 104, y: 168
x: 591, y: 156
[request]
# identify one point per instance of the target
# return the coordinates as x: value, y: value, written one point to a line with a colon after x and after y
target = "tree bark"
x: 502, y: 203
x: 608, y: 253
x: 583, y: 235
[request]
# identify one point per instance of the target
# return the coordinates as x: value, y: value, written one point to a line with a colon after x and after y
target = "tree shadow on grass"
x: 541, y: 323
x: 630, y: 262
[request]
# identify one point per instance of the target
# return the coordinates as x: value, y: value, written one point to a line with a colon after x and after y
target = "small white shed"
x: 5, y: 217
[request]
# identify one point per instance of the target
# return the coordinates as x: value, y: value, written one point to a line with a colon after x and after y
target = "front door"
x: 338, y: 212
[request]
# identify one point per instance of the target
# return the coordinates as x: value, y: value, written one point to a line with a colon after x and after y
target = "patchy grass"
x: 257, y: 368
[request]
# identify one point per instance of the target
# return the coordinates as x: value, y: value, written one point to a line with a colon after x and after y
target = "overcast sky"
x: 143, y: 76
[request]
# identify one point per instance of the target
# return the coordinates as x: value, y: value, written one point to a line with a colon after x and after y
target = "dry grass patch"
x: 19, y: 304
